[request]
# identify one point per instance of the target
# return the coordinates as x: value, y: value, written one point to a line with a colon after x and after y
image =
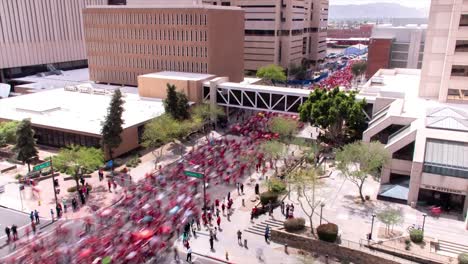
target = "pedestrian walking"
x: 257, y: 189
x: 33, y: 227
x: 229, y: 196
x: 217, y: 212
x: 101, y: 174
x: 239, y: 237
x: 52, y: 214
x: 218, y: 221
x: 176, y: 255
x: 267, y: 233
x: 211, y: 242
x: 223, y: 207
x: 31, y: 216
x: 74, y: 205
x: 109, y: 185
x: 14, y: 231
x: 238, y: 188
x: 189, y: 254
x: 36, y: 215
x: 287, y: 211
x: 7, y: 232
x: 271, y: 209
x: 198, y: 224
x: 215, y: 232
x: 282, y: 207
x: 242, y: 188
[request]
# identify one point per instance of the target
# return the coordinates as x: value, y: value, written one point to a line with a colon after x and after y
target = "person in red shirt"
x: 218, y: 221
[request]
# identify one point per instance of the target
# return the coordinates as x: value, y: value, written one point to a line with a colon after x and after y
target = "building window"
x: 461, y: 46
x: 460, y: 70
x: 464, y: 20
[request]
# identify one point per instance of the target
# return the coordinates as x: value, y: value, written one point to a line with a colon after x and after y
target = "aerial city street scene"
x: 233, y: 131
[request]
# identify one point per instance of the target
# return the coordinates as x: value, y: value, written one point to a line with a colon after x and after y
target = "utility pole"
x: 53, y: 180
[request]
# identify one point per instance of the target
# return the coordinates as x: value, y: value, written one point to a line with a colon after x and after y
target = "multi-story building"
x: 40, y: 32
x: 124, y: 42
x: 362, y: 31
x: 396, y: 47
x: 422, y: 117
x: 283, y: 32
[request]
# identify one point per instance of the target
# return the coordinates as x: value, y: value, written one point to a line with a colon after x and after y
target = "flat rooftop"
x: 77, y: 111
x: 73, y: 77
x: 165, y: 6
x: 188, y: 76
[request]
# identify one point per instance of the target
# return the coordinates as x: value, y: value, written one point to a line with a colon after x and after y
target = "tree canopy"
x: 70, y: 158
x: 176, y: 103
x: 112, y: 125
x: 358, y: 160
x: 205, y: 112
x: 298, y: 71
x: 8, y: 132
x: 25, y: 147
x: 335, y: 112
x: 359, y: 68
x: 273, y: 150
x: 285, y: 127
x: 390, y: 217
x: 272, y: 73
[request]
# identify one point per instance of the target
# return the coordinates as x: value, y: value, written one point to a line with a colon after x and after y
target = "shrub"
x: 73, y: 188
x: 416, y: 235
x: 18, y: 176
x: 276, y: 186
x: 463, y: 258
x: 327, y: 232
x: 266, y: 197
x: 133, y: 162
x: 294, y: 224
x: 407, y: 242
x: 408, y: 247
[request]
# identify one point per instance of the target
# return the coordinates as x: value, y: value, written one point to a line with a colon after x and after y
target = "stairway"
x: 259, y: 229
x: 451, y: 248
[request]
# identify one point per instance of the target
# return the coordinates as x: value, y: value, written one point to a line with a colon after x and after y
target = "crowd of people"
x: 156, y: 210
x: 341, y: 78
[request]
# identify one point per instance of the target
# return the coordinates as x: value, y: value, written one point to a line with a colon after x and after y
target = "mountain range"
x: 375, y: 10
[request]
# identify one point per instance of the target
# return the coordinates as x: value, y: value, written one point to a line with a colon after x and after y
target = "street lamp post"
x: 424, y: 221
x: 372, y: 227
x: 321, y: 209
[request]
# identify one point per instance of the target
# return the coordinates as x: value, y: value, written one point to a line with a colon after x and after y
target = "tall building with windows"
x: 283, y: 32
x: 445, y: 75
x: 124, y: 42
x: 34, y: 34
x: 422, y: 117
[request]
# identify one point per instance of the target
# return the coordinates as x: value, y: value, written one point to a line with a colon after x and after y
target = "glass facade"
x: 55, y: 138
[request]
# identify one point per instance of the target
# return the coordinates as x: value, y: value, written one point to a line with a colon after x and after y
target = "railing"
x: 401, y: 131
x: 395, y: 251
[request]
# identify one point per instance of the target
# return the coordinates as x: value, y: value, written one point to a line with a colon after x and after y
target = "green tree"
x: 284, y: 127
x: 335, y: 112
x: 359, y: 68
x: 271, y: 73
x: 273, y: 150
x: 176, y: 103
x: 25, y: 147
x: 8, y: 132
x: 358, y: 160
x: 206, y: 114
x: 299, y: 72
x: 162, y: 130
x: 306, y: 182
x: 112, y: 126
x: 75, y: 158
x: 170, y: 103
x: 390, y: 217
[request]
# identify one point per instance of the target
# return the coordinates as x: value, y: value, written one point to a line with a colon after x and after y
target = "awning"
x: 394, y: 191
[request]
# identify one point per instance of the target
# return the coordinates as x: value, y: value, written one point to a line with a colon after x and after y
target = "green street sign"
x: 193, y: 174
x: 41, y: 166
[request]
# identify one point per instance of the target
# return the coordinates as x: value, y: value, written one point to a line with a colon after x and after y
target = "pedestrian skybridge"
x: 256, y: 97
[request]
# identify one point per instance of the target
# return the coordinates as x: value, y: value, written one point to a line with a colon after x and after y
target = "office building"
x: 124, y: 42
x: 73, y: 115
x: 422, y: 117
x: 34, y: 34
x: 282, y: 32
x: 396, y: 47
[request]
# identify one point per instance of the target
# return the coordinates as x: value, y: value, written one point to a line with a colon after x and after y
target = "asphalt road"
x: 8, y: 217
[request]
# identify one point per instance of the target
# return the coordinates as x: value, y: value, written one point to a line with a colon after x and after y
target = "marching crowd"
x: 156, y: 210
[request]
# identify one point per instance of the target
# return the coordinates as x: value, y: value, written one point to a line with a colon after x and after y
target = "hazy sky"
x: 412, y: 3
